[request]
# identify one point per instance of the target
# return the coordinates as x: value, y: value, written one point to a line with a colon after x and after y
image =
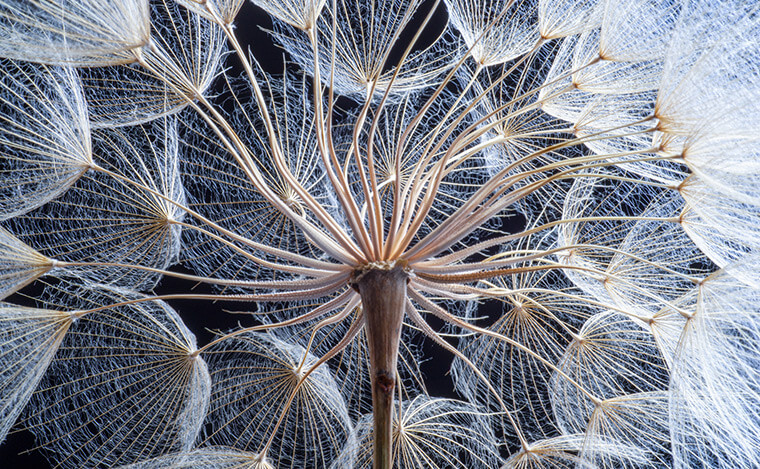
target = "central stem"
x: 382, y: 287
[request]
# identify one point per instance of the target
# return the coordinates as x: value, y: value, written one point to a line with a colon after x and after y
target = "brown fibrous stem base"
x: 382, y: 287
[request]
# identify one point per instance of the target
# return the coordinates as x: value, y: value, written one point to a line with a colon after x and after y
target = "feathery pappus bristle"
x: 467, y: 234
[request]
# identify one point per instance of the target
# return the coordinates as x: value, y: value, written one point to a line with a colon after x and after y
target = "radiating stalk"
x: 382, y: 287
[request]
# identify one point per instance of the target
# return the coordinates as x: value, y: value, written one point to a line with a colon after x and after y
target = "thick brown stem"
x: 383, y: 291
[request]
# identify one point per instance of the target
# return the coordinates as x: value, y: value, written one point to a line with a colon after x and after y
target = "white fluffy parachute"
x: 556, y: 200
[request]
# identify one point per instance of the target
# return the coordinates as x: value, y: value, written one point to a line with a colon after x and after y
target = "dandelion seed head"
x: 208, y: 263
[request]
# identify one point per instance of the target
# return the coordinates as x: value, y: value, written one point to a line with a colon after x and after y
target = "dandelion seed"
x: 87, y: 32
x: 589, y: 167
